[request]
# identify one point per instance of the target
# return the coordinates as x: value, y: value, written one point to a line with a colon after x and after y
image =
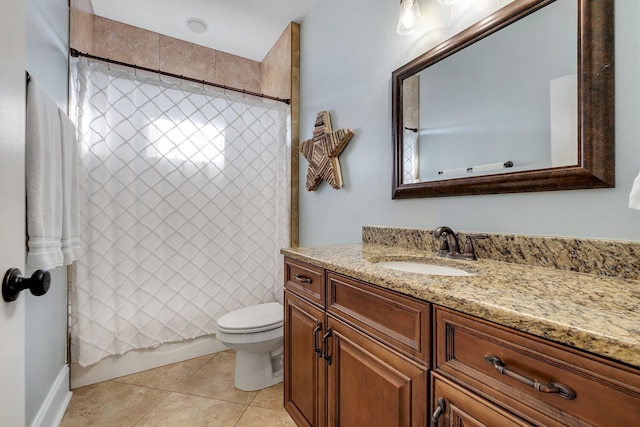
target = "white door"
x: 12, y: 211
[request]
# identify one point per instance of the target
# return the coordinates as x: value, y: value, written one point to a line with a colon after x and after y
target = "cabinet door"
x: 368, y: 384
x: 453, y: 406
x: 304, y: 387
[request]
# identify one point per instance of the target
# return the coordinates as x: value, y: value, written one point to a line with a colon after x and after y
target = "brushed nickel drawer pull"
x: 438, y: 412
x: 551, y: 387
x: 302, y: 279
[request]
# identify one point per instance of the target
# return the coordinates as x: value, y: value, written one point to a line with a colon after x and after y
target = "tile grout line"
x: 246, y: 406
x: 240, y: 419
x: 151, y: 409
x: 183, y: 393
x: 177, y: 390
x: 118, y: 380
x: 211, y: 359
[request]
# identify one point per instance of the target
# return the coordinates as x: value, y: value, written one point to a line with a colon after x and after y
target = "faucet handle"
x: 444, y: 245
x: 469, y: 251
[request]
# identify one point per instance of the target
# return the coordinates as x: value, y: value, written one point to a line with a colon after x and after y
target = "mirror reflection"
x: 505, y: 104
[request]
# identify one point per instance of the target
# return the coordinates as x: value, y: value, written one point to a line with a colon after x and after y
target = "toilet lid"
x: 256, y: 318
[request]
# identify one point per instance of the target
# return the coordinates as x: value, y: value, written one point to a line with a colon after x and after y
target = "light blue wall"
x: 47, y: 24
x: 348, y: 52
x: 47, y: 46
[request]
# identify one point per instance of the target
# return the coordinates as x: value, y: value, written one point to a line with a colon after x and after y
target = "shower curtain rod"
x: 76, y: 53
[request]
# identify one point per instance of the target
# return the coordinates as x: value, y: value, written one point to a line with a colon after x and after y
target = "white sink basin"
x: 418, y: 267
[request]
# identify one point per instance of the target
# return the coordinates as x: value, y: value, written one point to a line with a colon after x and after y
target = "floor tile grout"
x: 151, y: 409
x: 242, y: 415
x: 183, y: 393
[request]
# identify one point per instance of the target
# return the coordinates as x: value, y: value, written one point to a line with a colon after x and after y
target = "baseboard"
x: 142, y: 360
x: 56, y: 402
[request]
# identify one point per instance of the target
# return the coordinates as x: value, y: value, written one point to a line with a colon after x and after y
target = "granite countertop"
x: 595, y: 313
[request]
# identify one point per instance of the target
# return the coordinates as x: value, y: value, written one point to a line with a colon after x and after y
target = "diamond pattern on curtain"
x: 410, y: 157
x: 185, y: 208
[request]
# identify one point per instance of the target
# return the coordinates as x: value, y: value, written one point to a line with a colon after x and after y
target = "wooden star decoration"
x: 322, y: 152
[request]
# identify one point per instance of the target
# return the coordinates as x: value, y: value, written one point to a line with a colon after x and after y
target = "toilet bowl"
x: 256, y: 334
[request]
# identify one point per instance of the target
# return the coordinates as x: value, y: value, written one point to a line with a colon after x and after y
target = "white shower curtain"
x: 410, y: 157
x: 186, y: 193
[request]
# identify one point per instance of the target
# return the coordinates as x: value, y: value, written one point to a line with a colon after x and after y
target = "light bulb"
x: 410, y: 17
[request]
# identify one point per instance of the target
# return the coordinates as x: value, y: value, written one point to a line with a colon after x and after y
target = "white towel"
x: 70, y: 190
x: 44, y: 179
x: 634, y: 197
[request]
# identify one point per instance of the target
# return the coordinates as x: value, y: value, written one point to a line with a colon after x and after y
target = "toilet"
x: 256, y: 334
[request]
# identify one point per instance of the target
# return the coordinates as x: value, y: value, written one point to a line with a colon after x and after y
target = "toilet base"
x: 255, y: 371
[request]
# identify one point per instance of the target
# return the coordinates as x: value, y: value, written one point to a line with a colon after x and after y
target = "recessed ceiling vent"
x: 197, y: 25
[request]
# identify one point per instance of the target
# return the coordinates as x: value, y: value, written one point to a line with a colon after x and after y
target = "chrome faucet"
x: 449, y: 246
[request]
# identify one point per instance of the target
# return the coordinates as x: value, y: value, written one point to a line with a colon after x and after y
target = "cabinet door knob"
x: 13, y: 283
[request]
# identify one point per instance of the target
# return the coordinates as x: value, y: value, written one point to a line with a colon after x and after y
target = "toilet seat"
x: 257, y: 318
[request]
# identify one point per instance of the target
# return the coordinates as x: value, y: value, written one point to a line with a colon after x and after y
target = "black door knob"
x: 13, y: 283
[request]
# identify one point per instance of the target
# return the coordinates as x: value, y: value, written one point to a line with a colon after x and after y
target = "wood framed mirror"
x: 452, y: 135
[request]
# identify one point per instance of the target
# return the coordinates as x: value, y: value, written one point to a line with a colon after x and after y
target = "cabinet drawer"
x: 401, y: 322
x: 606, y: 393
x: 305, y: 280
x: 452, y: 405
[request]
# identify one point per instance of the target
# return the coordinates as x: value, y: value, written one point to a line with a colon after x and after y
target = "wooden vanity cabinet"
x: 359, y: 355
x: 339, y: 369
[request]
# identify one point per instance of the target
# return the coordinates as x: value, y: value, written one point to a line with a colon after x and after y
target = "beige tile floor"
x: 196, y: 392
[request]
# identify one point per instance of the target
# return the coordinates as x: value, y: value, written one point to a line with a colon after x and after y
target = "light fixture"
x: 197, y: 25
x: 410, y: 17
x: 447, y: 2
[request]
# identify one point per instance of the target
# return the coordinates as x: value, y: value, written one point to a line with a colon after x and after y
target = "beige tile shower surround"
x: 578, y: 292
x: 196, y: 392
x: 137, y: 46
x: 81, y: 25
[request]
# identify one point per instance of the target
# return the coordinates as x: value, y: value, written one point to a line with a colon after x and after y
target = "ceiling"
x: 247, y: 28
